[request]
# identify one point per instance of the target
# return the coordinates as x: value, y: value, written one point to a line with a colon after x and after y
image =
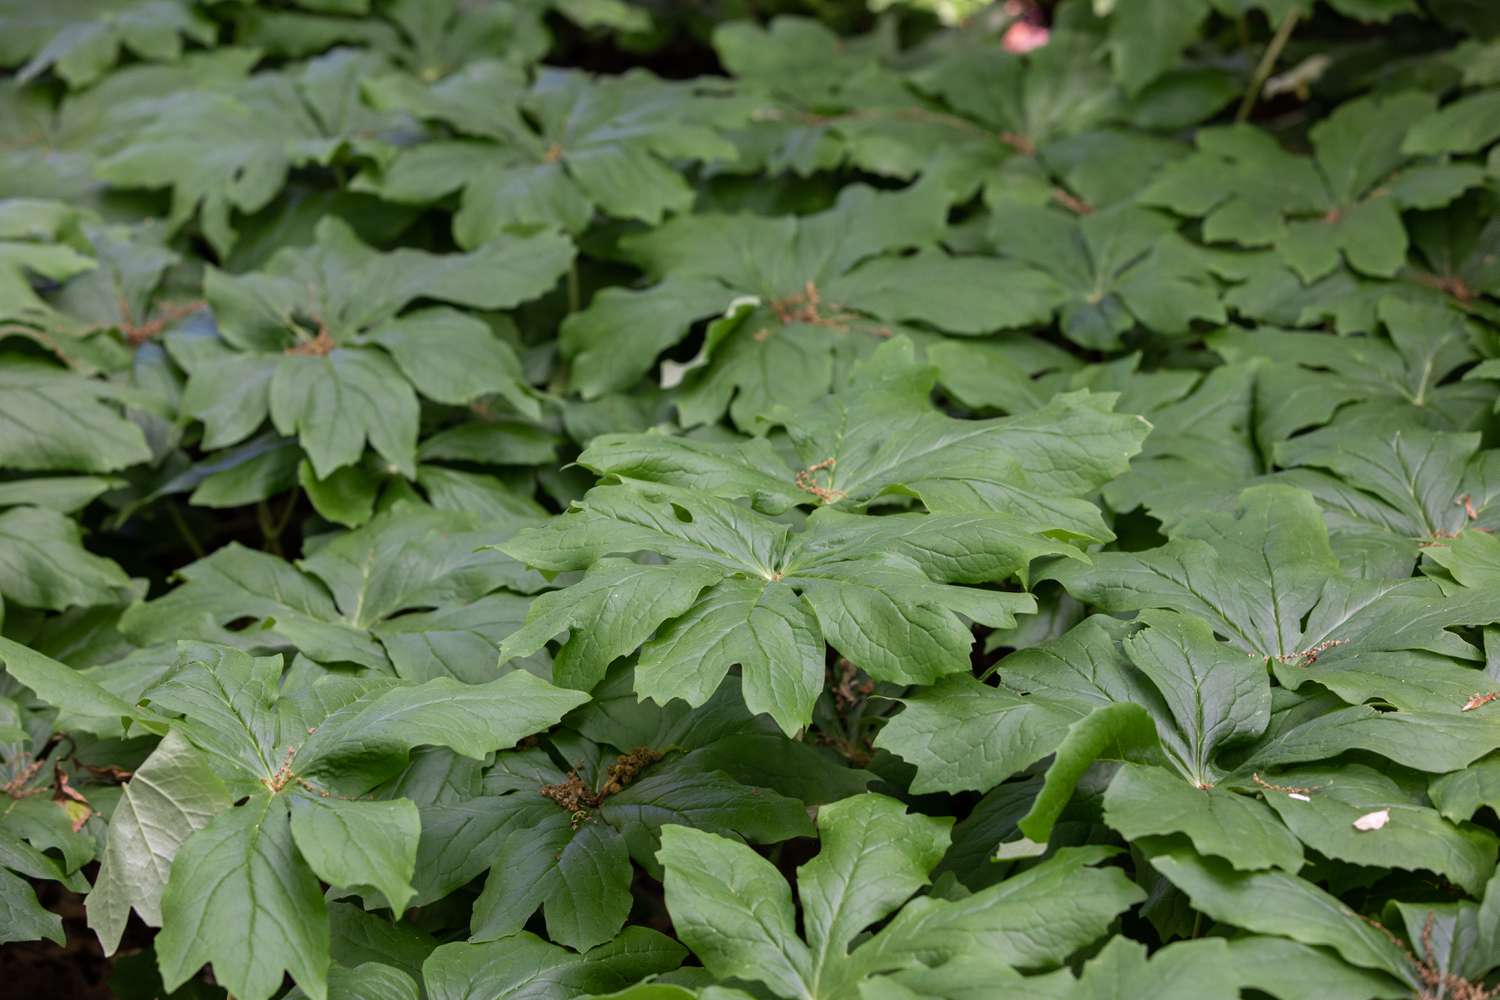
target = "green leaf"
x: 333, y: 404
x: 231, y: 149
x: 1121, y: 731
x: 739, y: 621
x: 82, y: 41
x: 1458, y: 796
x: 346, y: 497
x: 1308, y: 379
x: 735, y: 911
x: 54, y: 419
x: 339, y: 603
x: 1266, y: 578
x: 1146, y: 37
x: 1283, y: 905
x: 452, y: 357
x: 303, y: 331
x: 1343, y: 201
x: 171, y: 795
x: 25, y: 917
x: 524, y: 962
x: 873, y: 857
x: 369, y: 738
x: 565, y: 841
x: 1112, y: 270
x: 1414, y: 836
x: 1287, y: 969
x: 880, y: 435
x: 597, y: 144
x: 84, y: 702
x: 1465, y: 126
x: 869, y: 583
x: 1151, y: 801
x: 788, y: 265
x: 1407, y: 482
x: 961, y: 734
x: 371, y: 980
x: 241, y: 898
x: 1426, y: 741
x: 1186, y: 970
x: 1032, y: 920
x: 709, y: 882
x: 45, y: 565
x: 642, y: 596
x: 1214, y: 695
x: 352, y: 844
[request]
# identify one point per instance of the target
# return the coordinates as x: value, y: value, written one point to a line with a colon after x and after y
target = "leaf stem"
x: 1266, y: 64
x: 270, y: 537
x: 183, y: 529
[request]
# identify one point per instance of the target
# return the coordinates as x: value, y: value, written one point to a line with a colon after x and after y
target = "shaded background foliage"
x: 565, y: 498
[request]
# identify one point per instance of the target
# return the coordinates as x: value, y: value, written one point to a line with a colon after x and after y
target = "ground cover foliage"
x: 570, y: 498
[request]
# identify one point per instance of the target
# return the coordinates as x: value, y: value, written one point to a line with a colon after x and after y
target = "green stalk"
x: 1266, y: 64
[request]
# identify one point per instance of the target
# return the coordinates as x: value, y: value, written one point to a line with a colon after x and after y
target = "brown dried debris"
x: 1307, y: 657
x: 848, y: 691
x: 1071, y: 202
x: 168, y: 313
x: 1435, y: 984
x: 65, y: 792
x: 318, y: 347
x: 808, y: 307
x: 16, y: 786
x: 1479, y: 699
x: 1020, y: 143
x: 806, y: 480
x: 1284, y: 789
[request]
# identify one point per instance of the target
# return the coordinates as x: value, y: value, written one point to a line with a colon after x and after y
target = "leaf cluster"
x: 584, y: 498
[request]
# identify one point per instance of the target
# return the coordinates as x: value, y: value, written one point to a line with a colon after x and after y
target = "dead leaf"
x: 1374, y: 820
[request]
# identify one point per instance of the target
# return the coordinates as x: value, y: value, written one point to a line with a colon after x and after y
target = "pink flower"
x: 1023, y: 36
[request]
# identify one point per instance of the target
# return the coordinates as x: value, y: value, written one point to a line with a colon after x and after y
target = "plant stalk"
x: 1266, y: 65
